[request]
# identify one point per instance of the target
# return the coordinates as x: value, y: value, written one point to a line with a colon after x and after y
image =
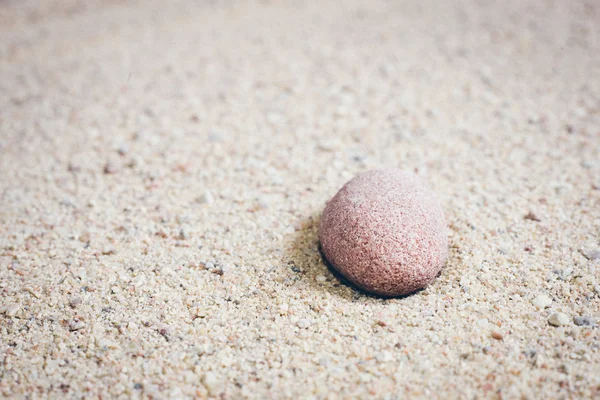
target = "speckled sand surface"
x: 163, y: 168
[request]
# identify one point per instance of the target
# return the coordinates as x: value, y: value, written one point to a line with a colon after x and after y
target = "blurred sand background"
x: 163, y: 166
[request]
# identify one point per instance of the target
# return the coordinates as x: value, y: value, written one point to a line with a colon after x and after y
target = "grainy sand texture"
x: 163, y: 167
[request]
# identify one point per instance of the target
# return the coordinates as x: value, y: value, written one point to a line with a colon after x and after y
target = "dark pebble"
x: 583, y: 321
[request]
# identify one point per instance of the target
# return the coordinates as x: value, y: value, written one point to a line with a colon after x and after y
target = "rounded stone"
x: 385, y: 232
x: 558, y: 319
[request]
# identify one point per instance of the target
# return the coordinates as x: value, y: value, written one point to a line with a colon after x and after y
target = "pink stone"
x: 385, y: 232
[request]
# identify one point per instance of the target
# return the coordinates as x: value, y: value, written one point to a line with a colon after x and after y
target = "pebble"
x: 497, y: 335
x: 542, y: 301
x: 532, y: 217
x: 583, y: 320
x: 385, y: 232
x: 85, y: 237
x: 303, y: 323
x: 139, y: 280
x: 284, y: 308
x: 76, y: 325
x: 205, y: 198
x: 208, y: 265
x: 558, y: 319
x: 109, y: 249
x: 75, y: 301
x: 212, y: 383
x: 591, y: 254
x: 12, y: 310
x: 110, y: 168
x: 384, y: 356
x: 66, y: 201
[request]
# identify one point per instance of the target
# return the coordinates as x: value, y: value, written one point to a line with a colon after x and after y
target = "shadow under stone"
x: 306, y: 259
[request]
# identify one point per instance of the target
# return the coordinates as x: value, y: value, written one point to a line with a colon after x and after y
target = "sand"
x: 163, y: 169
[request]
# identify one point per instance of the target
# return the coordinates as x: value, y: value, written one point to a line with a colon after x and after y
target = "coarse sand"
x: 163, y: 167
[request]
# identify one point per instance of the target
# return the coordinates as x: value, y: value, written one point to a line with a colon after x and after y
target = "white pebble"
x: 384, y: 356
x: 12, y: 310
x: 75, y: 301
x: 206, y: 198
x: 542, y: 301
x: 212, y: 383
x: 209, y: 265
x: 483, y: 323
x: 558, y: 319
x: 321, y: 279
x: 85, y: 237
x: 139, y: 280
x: 283, y: 309
x: 591, y: 254
x: 303, y: 323
x: 76, y: 325
x: 108, y: 249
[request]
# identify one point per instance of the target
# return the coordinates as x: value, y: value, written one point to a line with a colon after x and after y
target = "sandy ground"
x: 163, y: 167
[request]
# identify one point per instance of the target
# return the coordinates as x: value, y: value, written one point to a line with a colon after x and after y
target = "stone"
x: 205, y: 198
x: 76, y: 325
x: 303, y: 323
x: 591, y: 254
x: 542, y: 301
x: 75, y: 301
x: 558, y: 319
x: 385, y: 232
x: 12, y: 310
x: 212, y: 383
x: 110, y: 168
x: 284, y: 308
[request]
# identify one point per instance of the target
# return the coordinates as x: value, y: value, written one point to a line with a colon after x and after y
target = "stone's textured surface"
x: 385, y: 232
